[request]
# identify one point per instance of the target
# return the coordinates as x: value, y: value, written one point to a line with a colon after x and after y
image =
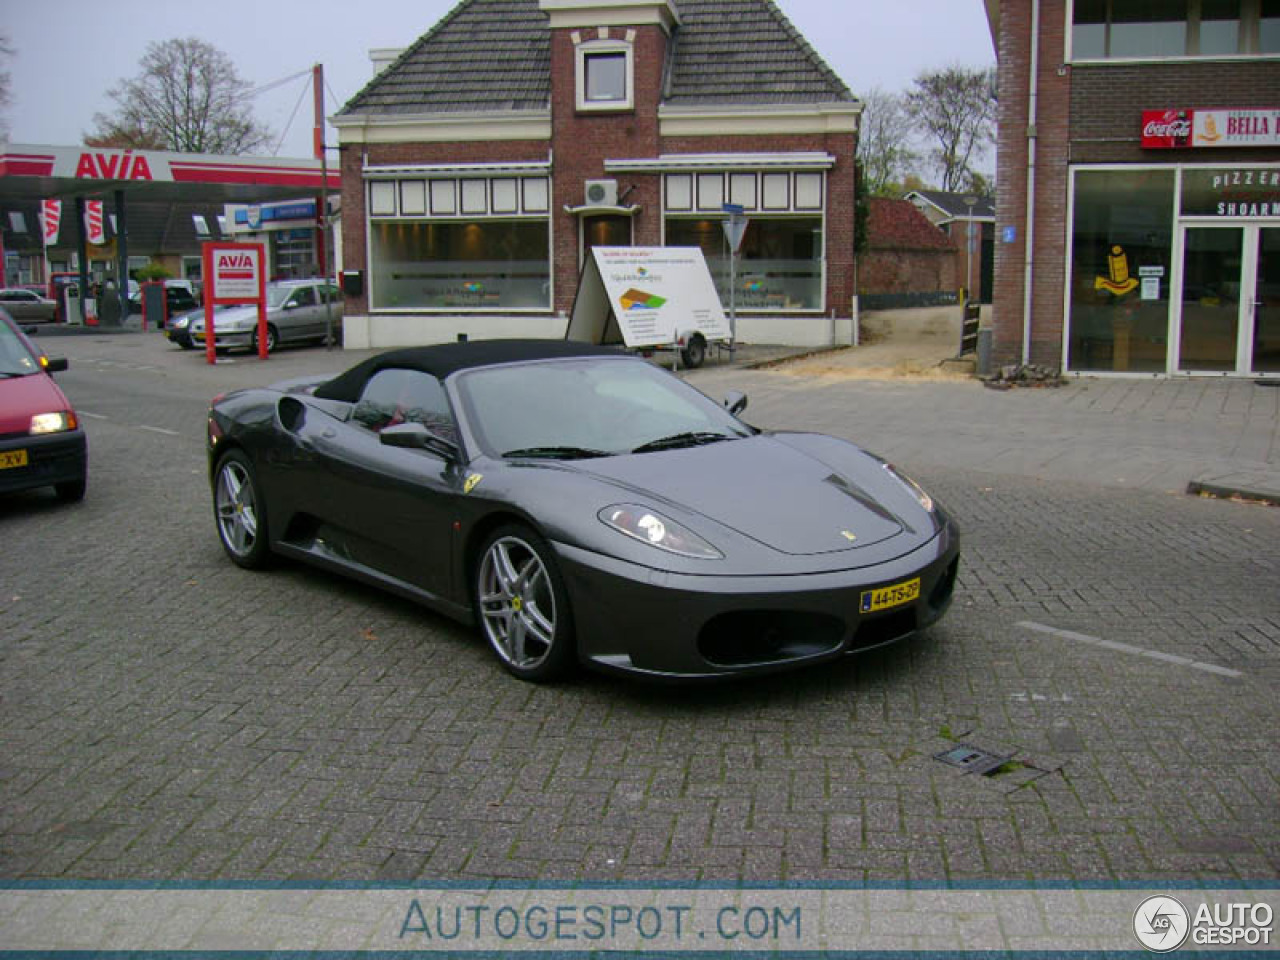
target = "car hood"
x: 767, y: 488
x: 225, y: 315
x: 21, y: 397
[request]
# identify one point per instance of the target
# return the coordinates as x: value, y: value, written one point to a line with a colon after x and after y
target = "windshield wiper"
x: 692, y: 438
x: 558, y: 453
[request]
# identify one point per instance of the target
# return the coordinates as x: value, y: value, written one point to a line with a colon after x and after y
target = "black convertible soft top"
x: 446, y: 358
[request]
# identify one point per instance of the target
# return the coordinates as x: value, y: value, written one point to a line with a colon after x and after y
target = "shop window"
x: 1121, y: 249
x: 605, y: 76
x: 460, y: 265
x: 780, y: 262
x: 1269, y: 27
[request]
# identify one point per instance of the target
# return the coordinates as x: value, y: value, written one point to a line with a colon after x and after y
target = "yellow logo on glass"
x: 1119, y: 282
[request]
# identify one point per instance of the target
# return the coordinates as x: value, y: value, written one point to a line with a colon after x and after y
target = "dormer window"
x: 605, y: 76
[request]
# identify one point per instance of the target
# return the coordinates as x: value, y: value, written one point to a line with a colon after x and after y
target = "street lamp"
x: 970, y: 201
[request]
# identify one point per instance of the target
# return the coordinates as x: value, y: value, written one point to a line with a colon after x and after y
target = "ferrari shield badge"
x: 471, y: 481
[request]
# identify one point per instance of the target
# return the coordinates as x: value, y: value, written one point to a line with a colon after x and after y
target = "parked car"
x: 27, y: 306
x: 41, y: 441
x: 179, y: 327
x: 180, y: 296
x: 295, y: 313
x: 581, y: 505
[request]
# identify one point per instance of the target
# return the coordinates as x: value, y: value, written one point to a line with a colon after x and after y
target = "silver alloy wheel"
x: 517, y: 605
x: 237, y: 509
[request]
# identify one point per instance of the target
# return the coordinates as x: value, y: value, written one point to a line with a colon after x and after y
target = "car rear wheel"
x: 272, y: 339
x: 240, y: 512
x: 523, y: 606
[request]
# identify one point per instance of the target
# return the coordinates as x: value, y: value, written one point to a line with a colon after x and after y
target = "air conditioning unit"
x: 602, y: 193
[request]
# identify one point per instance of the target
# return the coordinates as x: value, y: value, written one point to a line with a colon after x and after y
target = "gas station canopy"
x: 37, y: 172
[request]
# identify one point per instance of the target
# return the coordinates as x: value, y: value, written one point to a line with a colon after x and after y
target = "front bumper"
x: 635, y: 620
x: 179, y: 335
x: 51, y: 459
x: 224, y: 340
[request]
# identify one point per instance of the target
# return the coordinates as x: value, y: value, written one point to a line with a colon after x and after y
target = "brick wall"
x: 583, y: 141
x: 1052, y: 154
x: 909, y: 271
x: 1107, y: 103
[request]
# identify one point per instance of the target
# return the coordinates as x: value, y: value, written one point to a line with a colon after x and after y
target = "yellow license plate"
x: 885, y: 598
x: 13, y: 458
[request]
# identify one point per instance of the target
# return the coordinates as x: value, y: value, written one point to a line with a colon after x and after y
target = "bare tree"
x: 6, y: 51
x: 956, y: 107
x: 885, y: 133
x: 188, y: 98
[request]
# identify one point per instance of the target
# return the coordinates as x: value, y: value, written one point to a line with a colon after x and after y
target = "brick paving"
x: 166, y: 715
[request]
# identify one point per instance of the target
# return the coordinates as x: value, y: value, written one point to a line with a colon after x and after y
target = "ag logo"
x: 1161, y: 923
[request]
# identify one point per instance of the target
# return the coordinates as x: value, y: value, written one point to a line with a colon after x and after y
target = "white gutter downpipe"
x: 1030, y: 228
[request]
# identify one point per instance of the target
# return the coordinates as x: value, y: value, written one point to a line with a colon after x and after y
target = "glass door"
x: 1266, y: 302
x: 1212, y: 279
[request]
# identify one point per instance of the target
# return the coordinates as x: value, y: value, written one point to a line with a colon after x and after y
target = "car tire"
x: 695, y: 354
x: 72, y: 491
x: 273, y: 339
x: 522, y: 605
x: 240, y: 512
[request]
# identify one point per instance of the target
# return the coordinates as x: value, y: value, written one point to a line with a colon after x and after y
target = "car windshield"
x: 15, y: 359
x: 573, y: 409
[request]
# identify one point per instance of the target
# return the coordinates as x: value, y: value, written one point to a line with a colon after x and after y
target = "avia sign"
x: 234, y: 273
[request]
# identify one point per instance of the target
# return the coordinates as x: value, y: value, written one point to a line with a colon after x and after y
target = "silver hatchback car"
x: 295, y: 313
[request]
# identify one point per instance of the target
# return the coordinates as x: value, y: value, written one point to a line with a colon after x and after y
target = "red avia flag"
x: 93, y: 222
x: 50, y: 219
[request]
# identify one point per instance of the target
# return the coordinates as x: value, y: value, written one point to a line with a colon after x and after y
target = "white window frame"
x: 588, y: 48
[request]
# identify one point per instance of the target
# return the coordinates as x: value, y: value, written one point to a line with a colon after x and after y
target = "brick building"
x: 485, y: 161
x: 908, y: 261
x: 1144, y: 138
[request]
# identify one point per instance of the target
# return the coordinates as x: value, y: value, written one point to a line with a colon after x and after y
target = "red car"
x: 41, y: 441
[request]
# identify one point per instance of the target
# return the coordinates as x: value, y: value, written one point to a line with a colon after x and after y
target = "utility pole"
x: 322, y: 202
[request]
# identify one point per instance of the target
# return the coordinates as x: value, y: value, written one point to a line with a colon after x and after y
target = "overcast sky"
x: 67, y: 53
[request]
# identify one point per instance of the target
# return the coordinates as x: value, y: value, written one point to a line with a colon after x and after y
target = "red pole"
x: 262, y: 301
x: 210, y: 351
x: 317, y: 94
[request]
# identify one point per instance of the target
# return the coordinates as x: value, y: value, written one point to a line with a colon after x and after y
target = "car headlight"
x: 915, y: 489
x: 180, y: 323
x: 649, y: 526
x: 53, y: 422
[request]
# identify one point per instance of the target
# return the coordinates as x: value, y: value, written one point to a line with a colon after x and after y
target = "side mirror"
x: 291, y: 305
x: 415, y: 436
x: 55, y: 365
x: 735, y: 401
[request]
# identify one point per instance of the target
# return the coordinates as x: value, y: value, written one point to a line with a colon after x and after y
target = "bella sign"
x: 1175, y: 129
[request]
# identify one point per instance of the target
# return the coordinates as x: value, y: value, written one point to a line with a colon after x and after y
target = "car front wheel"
x: 240, y: 512
x: 523, y: 606
x: 272, y: 339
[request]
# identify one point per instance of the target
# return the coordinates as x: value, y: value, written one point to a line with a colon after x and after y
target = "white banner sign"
x: 1235, y: 128
x: 50, y: 219
x: 660, y: 294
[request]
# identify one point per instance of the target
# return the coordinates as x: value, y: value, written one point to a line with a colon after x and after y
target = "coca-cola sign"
x: 1166, y: 129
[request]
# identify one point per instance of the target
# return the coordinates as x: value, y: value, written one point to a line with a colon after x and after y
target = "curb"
x: 1227, y: 491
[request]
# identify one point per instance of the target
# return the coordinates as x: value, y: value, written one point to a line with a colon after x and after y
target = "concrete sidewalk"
x: 1208, y: 436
